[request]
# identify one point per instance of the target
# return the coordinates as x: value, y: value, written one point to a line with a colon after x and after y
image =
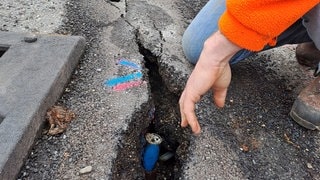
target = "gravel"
x: 40, y: 16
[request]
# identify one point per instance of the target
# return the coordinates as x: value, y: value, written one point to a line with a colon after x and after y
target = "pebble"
x: 85, y: 170
x: 30, y: 38
x: 309, y: 165
x: 166, y: 156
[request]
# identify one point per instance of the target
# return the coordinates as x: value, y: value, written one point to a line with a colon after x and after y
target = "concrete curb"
x: 33, y: 72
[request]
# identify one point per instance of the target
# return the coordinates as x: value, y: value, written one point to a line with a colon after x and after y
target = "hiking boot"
x: 307, y: 54
x: 306, y: 108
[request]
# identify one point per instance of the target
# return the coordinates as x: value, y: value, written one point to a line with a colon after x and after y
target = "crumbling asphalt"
x: 251, y: 138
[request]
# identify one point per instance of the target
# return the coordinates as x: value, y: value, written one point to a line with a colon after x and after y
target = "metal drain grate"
x: 1, y: 119
x: 3, y: 50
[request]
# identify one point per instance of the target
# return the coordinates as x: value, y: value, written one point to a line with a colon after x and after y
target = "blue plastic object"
x: 150, y: 156
x: 151, y: 151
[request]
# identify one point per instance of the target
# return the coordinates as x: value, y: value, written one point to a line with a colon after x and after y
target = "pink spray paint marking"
x: 124, y: 86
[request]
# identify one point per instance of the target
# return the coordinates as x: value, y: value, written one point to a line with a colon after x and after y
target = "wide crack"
x: 165, y: 121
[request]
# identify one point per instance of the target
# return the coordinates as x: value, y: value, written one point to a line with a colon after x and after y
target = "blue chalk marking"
x: 128, y: 63
x: 122, y: 79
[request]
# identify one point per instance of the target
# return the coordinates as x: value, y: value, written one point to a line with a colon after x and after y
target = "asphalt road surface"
x: 251, y: 138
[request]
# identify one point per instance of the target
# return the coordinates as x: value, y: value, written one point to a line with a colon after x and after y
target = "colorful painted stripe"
x: 128, y: 63
x: 123, y: 79
x: 124, y: 86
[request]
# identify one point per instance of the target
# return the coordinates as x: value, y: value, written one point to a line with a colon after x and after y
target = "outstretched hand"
x: 212, y: 71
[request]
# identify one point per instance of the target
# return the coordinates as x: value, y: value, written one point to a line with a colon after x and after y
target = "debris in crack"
x: 150, y: 154
x: 166, y: 156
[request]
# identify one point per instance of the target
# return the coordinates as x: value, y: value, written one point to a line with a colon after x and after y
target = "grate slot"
x: 1, y: 119
x: 3, y: 49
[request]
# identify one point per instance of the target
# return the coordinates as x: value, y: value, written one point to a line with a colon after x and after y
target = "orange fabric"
x: 252, y: 24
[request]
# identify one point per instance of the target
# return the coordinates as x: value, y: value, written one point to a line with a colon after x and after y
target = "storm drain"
x: 3, y: 49
x: 1, y: 119
x: 165, y: 121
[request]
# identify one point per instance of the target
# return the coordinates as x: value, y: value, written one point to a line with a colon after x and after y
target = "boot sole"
x: 303, y: 122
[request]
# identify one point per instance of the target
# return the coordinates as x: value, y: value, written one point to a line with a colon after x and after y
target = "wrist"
x: 219, y: 49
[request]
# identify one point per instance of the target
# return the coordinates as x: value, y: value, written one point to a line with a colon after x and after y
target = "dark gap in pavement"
x: 166, y: 121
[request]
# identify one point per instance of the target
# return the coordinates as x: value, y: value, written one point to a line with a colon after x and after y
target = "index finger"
x: 187, y: 110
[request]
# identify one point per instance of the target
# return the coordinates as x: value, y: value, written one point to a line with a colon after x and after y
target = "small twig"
x: 290, y: 142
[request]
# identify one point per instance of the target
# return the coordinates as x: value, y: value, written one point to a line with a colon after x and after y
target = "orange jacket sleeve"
x: 252, y: 24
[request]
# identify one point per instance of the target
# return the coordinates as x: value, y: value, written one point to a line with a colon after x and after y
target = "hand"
x: 211, y: 71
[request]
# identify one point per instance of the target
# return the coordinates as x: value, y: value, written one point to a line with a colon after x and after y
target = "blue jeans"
x: 206, y: 23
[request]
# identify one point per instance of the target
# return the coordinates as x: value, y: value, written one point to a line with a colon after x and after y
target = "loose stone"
x: 85, y: 170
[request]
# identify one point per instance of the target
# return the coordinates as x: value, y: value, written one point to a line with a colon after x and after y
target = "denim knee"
x: 202, y: 26
x: 191, y: 47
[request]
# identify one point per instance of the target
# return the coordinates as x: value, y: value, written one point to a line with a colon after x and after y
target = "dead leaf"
x: 59, y: 118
